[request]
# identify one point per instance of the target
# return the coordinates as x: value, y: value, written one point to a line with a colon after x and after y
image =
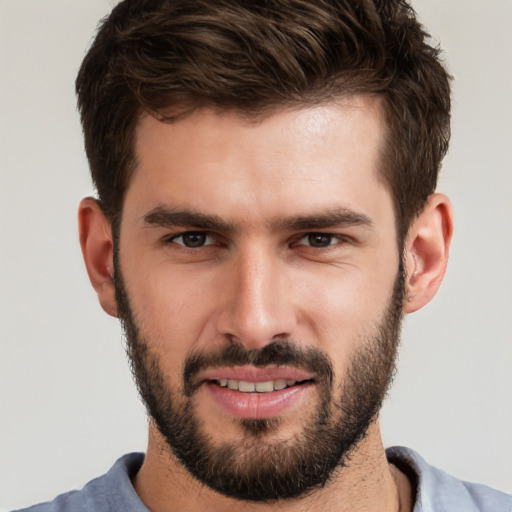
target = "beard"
x: 260, y: 466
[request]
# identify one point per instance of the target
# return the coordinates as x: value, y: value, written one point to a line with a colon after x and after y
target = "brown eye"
x: 318, y: 240
x: 193, y: 239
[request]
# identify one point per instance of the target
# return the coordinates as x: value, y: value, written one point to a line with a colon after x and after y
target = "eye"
x: 318, y: 240
x: 193, y: 239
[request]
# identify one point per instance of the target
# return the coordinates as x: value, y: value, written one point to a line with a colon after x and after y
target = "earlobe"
x: 427, y: 248
x: 97, y: 249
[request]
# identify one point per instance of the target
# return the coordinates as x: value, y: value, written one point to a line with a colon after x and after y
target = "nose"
x: 257, y: 303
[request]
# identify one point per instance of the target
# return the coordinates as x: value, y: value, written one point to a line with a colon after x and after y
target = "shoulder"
x: 438, y: 491
x: 110, y: 492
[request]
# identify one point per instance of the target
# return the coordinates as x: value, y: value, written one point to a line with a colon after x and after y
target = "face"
x: 257, y: 277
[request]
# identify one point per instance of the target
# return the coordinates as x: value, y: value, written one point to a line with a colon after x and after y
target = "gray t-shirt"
x: 436, y: 491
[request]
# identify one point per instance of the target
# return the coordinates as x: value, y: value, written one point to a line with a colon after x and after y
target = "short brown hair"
x: 170, y: 57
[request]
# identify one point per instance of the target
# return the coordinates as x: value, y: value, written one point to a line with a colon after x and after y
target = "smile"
x: 256, y: 387
x: 248, y: 391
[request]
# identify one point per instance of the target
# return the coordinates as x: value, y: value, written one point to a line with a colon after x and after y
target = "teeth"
x: 260, y: 387
x: 264, y: 387
x: 232, y: 384
x: 246, y: 387
x: 279, y: 384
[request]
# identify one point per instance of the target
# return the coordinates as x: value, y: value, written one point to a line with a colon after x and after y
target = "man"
x: 267, y: 212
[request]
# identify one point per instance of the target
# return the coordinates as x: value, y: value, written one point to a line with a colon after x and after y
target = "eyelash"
x: 205, y: 234
x: 338, y: 239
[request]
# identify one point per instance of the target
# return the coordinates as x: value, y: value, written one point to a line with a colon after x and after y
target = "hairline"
x: 258, y: 115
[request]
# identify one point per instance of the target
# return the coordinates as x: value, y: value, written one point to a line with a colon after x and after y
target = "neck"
x: 367, y: 483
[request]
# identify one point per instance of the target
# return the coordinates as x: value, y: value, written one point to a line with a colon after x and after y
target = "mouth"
x: 254, y: 392
x: 267, y: 386
x: 255, y: 379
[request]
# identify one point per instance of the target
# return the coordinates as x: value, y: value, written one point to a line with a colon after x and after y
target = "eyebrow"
x: 336, y: 217
x: 164, y: 217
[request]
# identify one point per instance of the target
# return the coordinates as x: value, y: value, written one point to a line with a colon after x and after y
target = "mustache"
x: 277, y: 353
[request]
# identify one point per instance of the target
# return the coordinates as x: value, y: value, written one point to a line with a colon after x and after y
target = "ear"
x: 426, y: 252
x: 97, y: 249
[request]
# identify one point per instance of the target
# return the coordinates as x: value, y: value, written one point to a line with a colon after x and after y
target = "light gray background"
x: 68, y: 408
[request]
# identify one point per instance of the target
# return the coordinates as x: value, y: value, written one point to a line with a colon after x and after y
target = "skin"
x: 260, y: 279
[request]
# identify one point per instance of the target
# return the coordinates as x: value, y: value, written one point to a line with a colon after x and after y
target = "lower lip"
x: 256, y: 405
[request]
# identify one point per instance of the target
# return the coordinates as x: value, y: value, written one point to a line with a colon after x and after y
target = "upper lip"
x: 254, y: 373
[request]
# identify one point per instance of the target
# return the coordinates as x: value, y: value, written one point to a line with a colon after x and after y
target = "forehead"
x: 298, y: 158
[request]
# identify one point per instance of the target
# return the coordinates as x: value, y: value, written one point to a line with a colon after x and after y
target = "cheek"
x: 172, y: 308
x: 345, y: 305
